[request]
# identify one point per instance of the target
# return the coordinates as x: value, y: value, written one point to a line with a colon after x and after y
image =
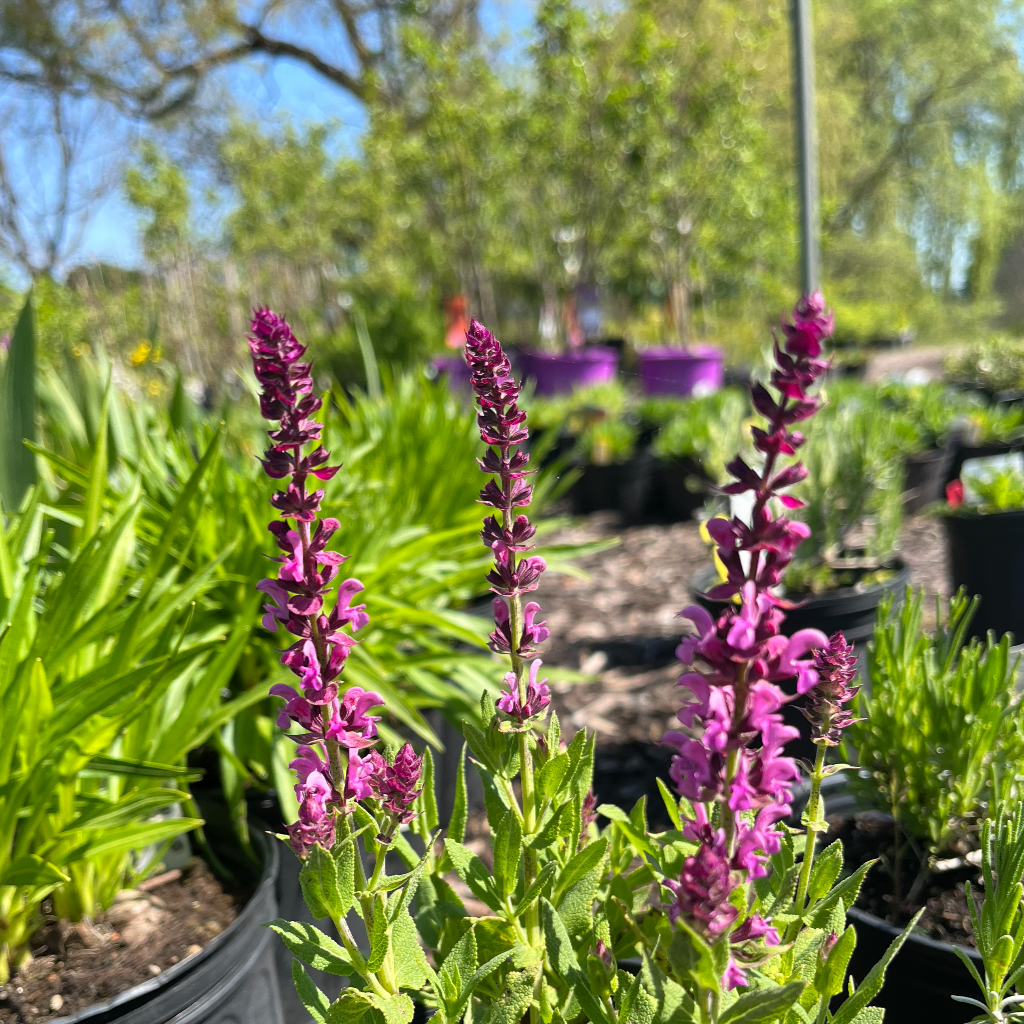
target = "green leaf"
x: 311, y: 946
x: 378, y: 930
x: 144, y: 769
x: 559, y: 824
x: 671, y: 806
x: 691, y: 957
x: 137, y: 836
x: 515, y: 998
x: 763, y: 1005
x: 458, y: 966
x: 872, y: 984
x: 410, y: 963
x: 318, y: 879
x: 351, y: 1006
x: 549, y: 778
x: 845, y: 892
x: 537, y: 887
x: 829, y: 977
x: 97, y: 488
x: 473, y: 872
x: 457, y: 822
x: 428, y: 796
x: 566, y: 966
x: 508, y: 845
x: 580, y: 864
x: 825, y: 871
x: 18, y: 411
x: 32, y: 870
x: 316, y: 1003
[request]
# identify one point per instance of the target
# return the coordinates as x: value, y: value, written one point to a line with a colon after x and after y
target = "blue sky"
x: 289, y: 88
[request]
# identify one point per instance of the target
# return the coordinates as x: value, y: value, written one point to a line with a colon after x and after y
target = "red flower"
x: 955, y: 493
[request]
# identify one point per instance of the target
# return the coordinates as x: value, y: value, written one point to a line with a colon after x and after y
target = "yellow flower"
x: 154, y: 389
x: 141, y: 353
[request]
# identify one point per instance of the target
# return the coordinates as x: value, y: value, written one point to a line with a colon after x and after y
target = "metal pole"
x: 806, y: 145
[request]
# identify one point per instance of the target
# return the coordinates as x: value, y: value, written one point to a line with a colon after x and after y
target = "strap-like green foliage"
x: 93, y: 725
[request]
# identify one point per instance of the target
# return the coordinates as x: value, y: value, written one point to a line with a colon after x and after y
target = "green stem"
x: 382, y: 852
x: 813, y: 819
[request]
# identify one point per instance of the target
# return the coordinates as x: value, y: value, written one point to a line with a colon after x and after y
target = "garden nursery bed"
x: 148, y: 930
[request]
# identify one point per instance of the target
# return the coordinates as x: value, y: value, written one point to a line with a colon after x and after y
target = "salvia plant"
x: 729, y: 917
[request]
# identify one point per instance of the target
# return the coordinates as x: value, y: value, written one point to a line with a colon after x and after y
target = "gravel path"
x: 626, y: 613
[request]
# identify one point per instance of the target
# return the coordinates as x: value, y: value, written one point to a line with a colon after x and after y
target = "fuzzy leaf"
x: 763, y: 1005
x: 829, y: 977
x: 508, y: 845
x: 311, y: 946
x: 473, y: 872
x: 872, y: 984
x: 825, y: 871
x: 316, y: 1003
x: 318, y: 879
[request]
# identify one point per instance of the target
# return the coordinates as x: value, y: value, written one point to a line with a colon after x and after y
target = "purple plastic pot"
x: 681, y: 371
x: 558, y: 373
x: 455, y: 369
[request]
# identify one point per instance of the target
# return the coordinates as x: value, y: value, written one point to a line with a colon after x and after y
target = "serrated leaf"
x: 410, y: 963
x: 428, y: 796
x: 872, y: 984
x: 311, y: 946
x: 563, y: 959
x: 318, y: 879
x: 846, y: 892
x: 508, y: 845
x: 351, y: 1006
x: 317, y: 1005
x: 473, y: 872
x: 549, y: 778
x: 537, y: 886
x: 459, y: 964
x: 671, y: 806
x: 691, y: 957
x: 829, y: 977
x: 579, y: 865
x: 457, y: 822
x: 763, y: 1005
x: 514, y: 1001
x: 557, y: 825
x: 825, y: 871
x: 378, y: 933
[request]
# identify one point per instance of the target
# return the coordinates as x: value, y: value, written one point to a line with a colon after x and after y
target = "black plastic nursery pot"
x: 233, y: 980
x: 925, y: 478
x: 674, y: 482
x: 623, y: 487
x: 986, y: 557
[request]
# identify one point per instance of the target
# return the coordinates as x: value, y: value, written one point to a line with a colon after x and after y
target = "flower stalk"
x: 735, y: 662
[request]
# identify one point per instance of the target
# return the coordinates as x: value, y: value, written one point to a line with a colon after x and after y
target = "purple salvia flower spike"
x: 332, y: 723
x: 734, y: 663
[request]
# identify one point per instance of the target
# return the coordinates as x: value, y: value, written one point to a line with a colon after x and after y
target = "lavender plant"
x: 728, y: 918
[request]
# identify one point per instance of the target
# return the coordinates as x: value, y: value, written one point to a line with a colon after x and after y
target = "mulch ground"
x: 621, y: 626
x: 143, y: 934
